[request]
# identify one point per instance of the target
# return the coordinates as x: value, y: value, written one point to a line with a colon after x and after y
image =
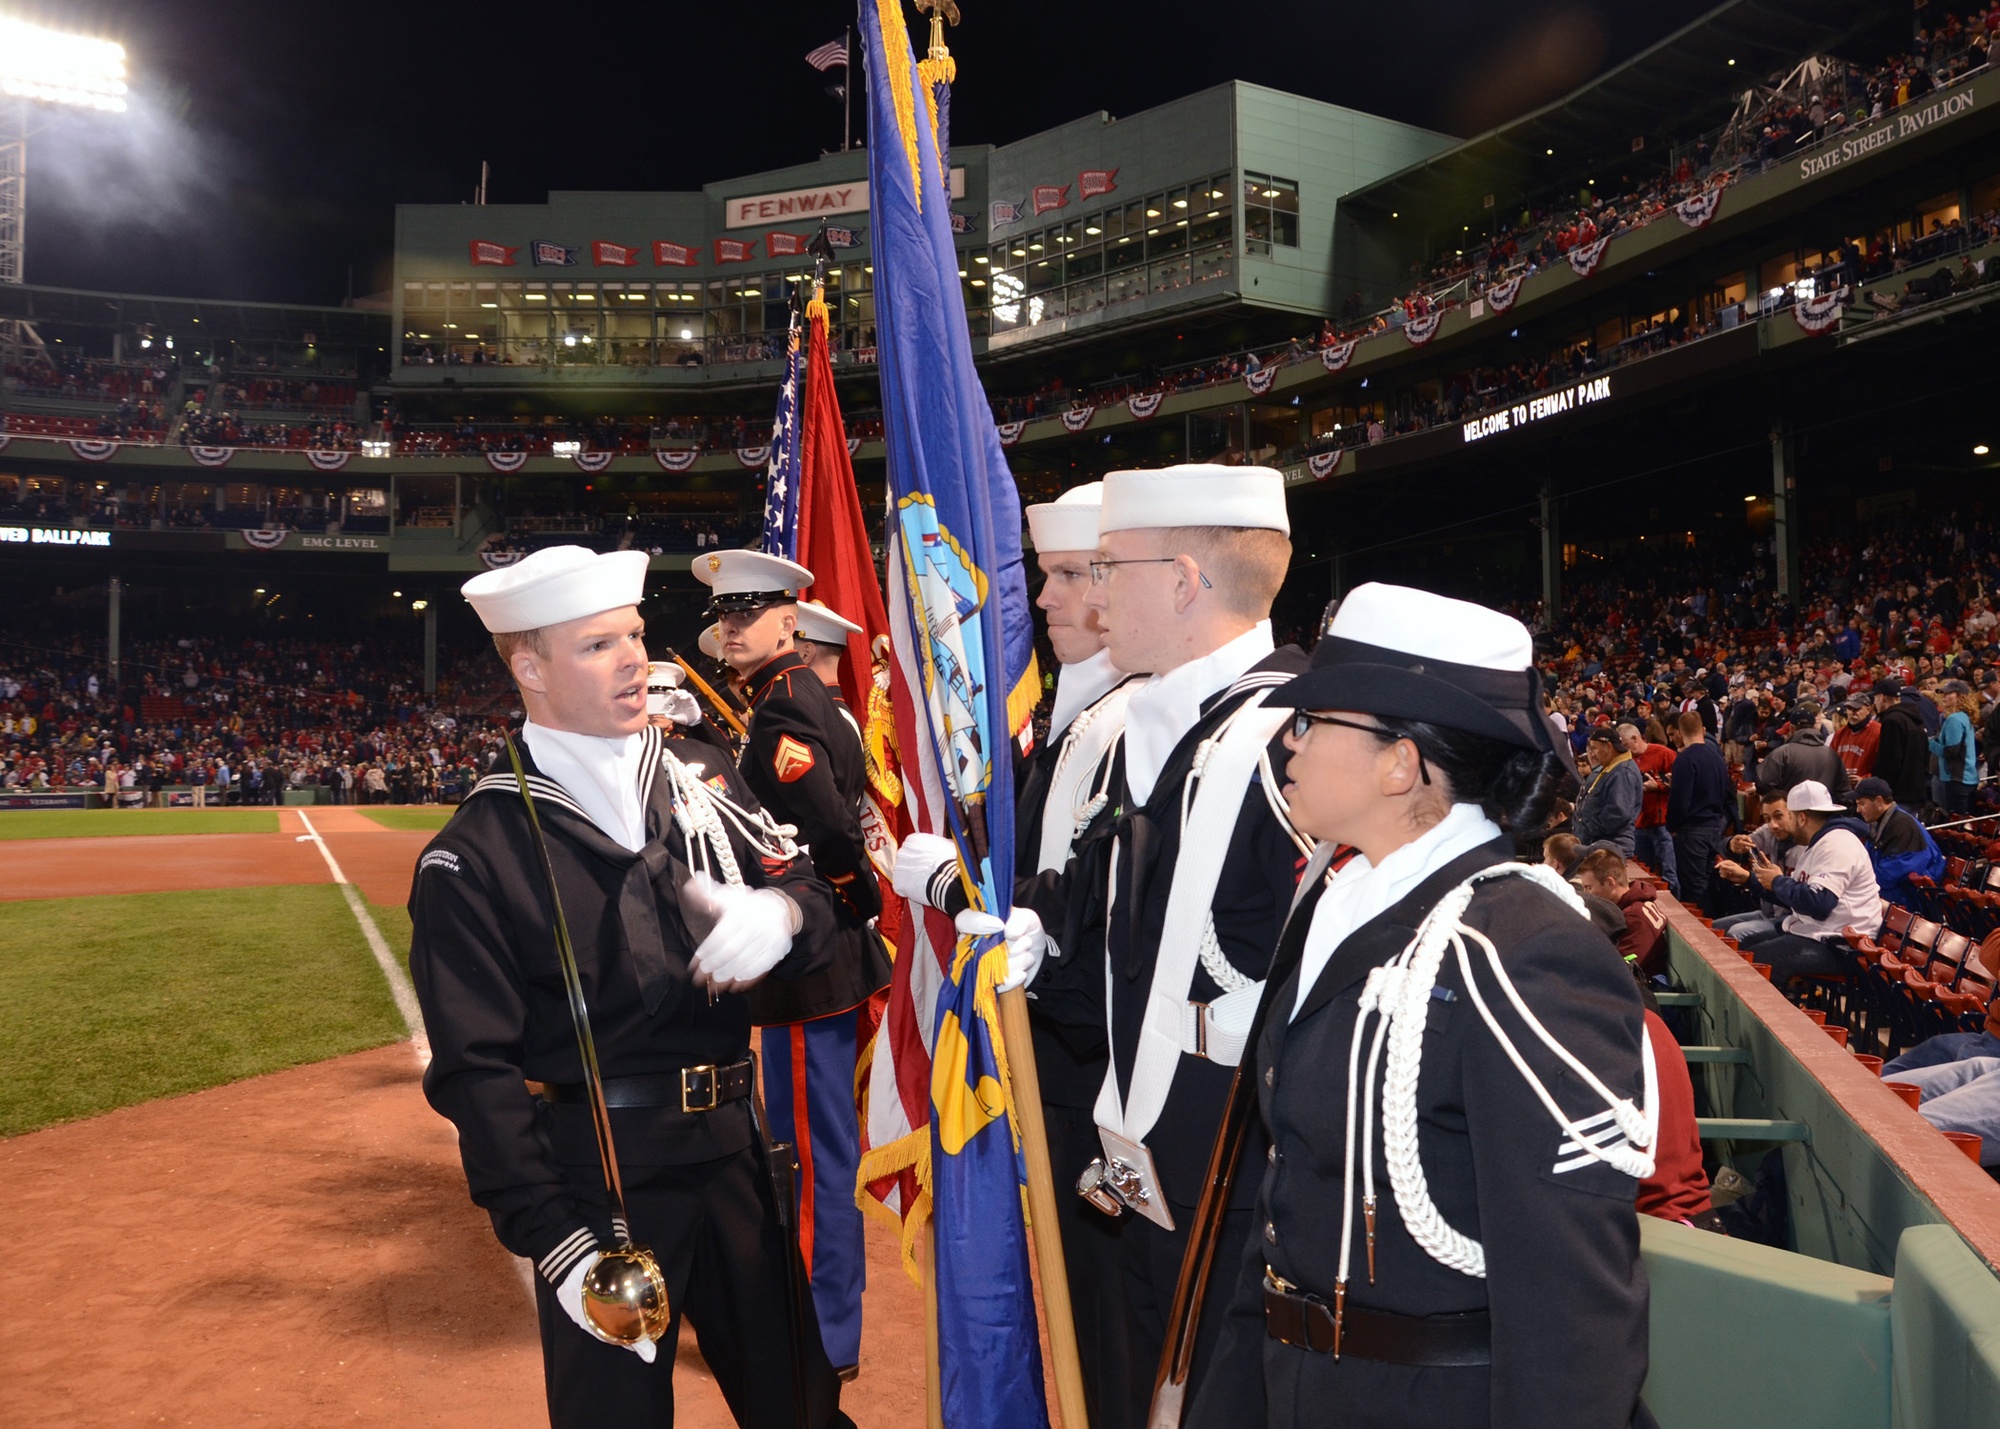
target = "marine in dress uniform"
x: 804, y: 762
x: 634, y: 835
x: 1431, y: 1246
x: 1188, y: 922
x: 1058, y: 791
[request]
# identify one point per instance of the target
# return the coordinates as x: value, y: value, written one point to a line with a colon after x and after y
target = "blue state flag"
x: 960, y: 596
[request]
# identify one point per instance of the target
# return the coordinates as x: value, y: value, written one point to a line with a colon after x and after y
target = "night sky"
x: 269, y: 140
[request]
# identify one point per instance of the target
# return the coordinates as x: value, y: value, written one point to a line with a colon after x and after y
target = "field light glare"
x: 58, y: 68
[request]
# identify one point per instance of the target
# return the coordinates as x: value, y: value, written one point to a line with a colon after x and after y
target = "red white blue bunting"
x: 1259, y: 382
x: 1321, y: 464
x: 328, y: 461
x: 211, y: 456
x: 1077, y: 418
x: 1339, y: 355
x: 1143, y: 405
x: 853, y: 445
x: 677, y: 460
x: 265, y: 538
x: 93, y: 448
x: 1697, y: 210
x: 1500, y: 296
x: 1822, y: 314
x: 1421, y: 330
x: 754, y: 457
x: 1585, y: 257
x: 506, y: 461
x: 593, y: 461
x: 1010, y: 432
x: 496, y: 559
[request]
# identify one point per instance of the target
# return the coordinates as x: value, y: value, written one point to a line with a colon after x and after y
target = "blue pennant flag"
x: 959, y: 612
x: 781, y: 473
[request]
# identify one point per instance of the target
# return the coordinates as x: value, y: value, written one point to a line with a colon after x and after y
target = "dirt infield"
x: 298, y: 1248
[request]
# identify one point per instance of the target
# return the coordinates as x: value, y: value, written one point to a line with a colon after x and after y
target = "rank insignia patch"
x: 791, y: 759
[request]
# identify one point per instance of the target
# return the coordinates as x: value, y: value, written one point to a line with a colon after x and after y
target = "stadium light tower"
x: 40, y: 66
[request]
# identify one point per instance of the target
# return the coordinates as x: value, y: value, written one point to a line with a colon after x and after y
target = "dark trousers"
x: 1792, y: 955
x: 1695, y: 849
x: 1149, y: 1268
x: 715, y: 1232
x: 1090, y: 1256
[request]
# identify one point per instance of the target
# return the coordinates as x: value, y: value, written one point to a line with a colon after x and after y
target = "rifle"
x: 722, y: 706
x: 1239, y: 1114
x: 781, y: 1162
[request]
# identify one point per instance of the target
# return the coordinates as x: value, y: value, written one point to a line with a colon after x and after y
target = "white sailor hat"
x: 1409, y: 654
x: 555, y: 584
x: 710, y: 643
x: 1247, y: 497
x: 828, y: 627
x: 1069, y: 523
x: 749, y: 580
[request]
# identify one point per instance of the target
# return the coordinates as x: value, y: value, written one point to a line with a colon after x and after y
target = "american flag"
x: 781, y: 476
x: 830, y: 54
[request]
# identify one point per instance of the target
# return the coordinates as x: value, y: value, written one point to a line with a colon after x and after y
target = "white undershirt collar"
x: 1362, y: 891
x: 601, y: 774
x: 1080, y: 686
x: 1166, y: 707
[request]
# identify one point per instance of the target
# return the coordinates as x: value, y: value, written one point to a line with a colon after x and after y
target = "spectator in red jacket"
x: 1644, y: 940
x: 1857, y: 739
x: 1652, y: 845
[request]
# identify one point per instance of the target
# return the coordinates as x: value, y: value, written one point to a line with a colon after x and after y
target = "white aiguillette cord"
x: 1398, y: 995
x: 593, y: 1080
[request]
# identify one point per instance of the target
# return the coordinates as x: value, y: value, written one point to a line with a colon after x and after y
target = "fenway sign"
x: 756, y: 210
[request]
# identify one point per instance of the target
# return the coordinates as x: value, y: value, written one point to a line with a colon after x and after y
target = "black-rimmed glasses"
x: 1304, y: 720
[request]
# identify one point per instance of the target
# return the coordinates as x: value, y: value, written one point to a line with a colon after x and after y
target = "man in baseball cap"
x: 1831, y: 885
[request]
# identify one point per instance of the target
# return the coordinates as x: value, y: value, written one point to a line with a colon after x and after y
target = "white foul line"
x: 399, y: 981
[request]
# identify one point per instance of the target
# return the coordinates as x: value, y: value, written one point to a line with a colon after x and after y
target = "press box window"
x: 1270, y: 212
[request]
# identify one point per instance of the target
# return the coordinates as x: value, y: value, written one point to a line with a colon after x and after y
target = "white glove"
x: 569, y: 1295
x: 1027, y: 944
x: 677, y: 707
x: 917, y: 862
x: 750, y: 932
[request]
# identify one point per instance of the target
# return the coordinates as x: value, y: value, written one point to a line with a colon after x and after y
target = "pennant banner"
x: 1421, y: 330
x: 328, y: 461
x: 1259, y: 382
x: 1696, y: 210
x: 961, y: 223
x: 265, y: 538
x: 1050, y: 196
x: 677, y: 460
x: 1585, y: 257
x: 506, y: 461
x: 593, y: 461
x: 492, y: 255
x: 1500, y: 296
x: 840, y: 236
x: 1822, y: 314
x: 999, y: 213
x: 1092, y: 182
x: 753, y: 457
x: 1339, y: 355
x: 674, y: 255
x: 1010, y: 432
x: 1142, y: 405
x: 785, y: 245
x: 735, y: 250
x: 853, y: 445
x: 1321, y: 464
x: 94, y: 449
x: 211, y: 456
x: 551, y: 255
x: 940, y: 1128
x: 613, y: 255
x: 1077, y: 418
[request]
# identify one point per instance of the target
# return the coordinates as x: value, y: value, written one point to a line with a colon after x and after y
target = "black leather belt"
x: 702, y: 1088
x: 1307, y: 1321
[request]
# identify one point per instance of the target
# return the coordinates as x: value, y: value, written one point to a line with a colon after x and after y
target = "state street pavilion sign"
x: 756, y: 210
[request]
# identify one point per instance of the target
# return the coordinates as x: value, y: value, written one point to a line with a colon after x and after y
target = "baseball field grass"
x: 117, y: 1000
x: 409, y: 820
x: 109, y: 823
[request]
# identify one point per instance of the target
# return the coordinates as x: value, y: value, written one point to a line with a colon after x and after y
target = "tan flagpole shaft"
x: 933, y: 1385
x: 1042, y: 1207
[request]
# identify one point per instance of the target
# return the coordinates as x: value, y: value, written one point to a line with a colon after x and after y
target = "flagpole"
x: 847, y: 96
x: 933, y: 1377
x: 1047, y: 1233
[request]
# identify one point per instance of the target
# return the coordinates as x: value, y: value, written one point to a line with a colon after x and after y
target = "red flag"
x: 612, y: 255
